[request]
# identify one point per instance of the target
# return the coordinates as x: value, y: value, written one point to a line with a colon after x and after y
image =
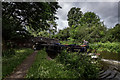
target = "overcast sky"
x: 107, y: 11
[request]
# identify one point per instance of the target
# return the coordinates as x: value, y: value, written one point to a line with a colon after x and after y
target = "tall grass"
x: 43, y: 68
x: 81, y: 64
x: 9, y: 63
x: 65, y: 65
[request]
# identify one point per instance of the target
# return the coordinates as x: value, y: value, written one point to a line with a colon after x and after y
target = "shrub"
x: 66, y: 65
x: 11, y: 62
x: 8, y: 53
x: 109, y: 47
x: 43, y: 68
x: 80, y: 63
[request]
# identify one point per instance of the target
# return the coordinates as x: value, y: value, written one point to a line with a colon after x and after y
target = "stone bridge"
x: 44, y: 39
x: 29, y: 43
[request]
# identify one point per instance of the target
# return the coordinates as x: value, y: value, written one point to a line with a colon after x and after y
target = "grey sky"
x: 107, y: 11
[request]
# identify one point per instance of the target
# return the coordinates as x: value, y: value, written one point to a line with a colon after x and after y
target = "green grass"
x: 81, y: 64
x: 9, y: 63
x: 63, y: 66
x: 43, y: 68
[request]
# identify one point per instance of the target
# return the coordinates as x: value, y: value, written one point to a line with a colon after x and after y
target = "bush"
x: 65, y: 65
x: 43, y: 68
x: 8, y: 53
x: 70, y: 42
x: 109, y: 47
x: 80, y: 64
x: 11, y: 62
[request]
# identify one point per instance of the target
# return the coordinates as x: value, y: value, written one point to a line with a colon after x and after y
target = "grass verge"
x: 11, y: 62
x: 66, y: 65
x: 43, y: 68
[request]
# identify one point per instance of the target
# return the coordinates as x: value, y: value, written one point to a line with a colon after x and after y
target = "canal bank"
x: 110, y: 66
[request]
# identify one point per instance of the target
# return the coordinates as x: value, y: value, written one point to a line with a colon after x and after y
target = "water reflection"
x: 110, y: 56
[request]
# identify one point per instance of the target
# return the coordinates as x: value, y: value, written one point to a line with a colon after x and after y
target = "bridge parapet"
x: 44, y: 39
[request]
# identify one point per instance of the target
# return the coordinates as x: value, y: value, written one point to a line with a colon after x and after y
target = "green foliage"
x: 83, y: 26
x: 8, y: 53
x: 11, y: 31
x: 109, y: 47
x: 66, y: 42
x: 63, y: 34
x: 43, y: 68
x: 65, y: 65
x: 71, y: 41
x: 113, y: 34
x: 74, y: 16
x: 77, y: 18
x: 11, y: 62
x: 91, y: 34
x: 80, y: 64
x: 90, y: 18
x: 35, y: 15
x: 44, y: 33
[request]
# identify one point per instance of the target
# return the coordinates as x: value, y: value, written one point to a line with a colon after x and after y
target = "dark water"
x: 110, y: 59
x: 110, y: 66
x: 110, y: 56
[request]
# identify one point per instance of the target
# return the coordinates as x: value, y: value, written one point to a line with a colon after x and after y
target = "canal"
x: 110, y: 66
x: 110, y: 56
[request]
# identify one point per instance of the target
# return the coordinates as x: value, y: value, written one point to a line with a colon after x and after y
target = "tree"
x: 44, y: 33
x: 35, y: 15
x: 63, y: 34
x: 10, y: 31
x: 74, y: 16
x: 116, y: 32
x: 53, y: 29
x: 97, y: 33
x: 90, y: 18
x: 113, y: 34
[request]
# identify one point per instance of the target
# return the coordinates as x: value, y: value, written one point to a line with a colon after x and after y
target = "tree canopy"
x: 83, y: 26
x: 90, y: 18
x: 113, y: 34
x: 35, y: 15
x: 74, y: 16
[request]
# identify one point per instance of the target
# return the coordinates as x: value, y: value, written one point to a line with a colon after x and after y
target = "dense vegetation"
x: 89, y: 27
x: 112, y: 47
x: 82, y: 26
x: 23, y: 20
x: 43, y: 68
x: 11, y: 61
x: 65, y: 65
x: 20, y: 22
x: 109, y: 47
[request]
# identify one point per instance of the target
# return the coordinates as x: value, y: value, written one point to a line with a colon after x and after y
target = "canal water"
x: 110, y: 66
x: 110, y: 56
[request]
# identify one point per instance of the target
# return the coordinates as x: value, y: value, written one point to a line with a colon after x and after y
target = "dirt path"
x: 22, y: 69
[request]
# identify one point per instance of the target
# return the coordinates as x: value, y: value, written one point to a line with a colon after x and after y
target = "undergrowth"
x: 9, y: 63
